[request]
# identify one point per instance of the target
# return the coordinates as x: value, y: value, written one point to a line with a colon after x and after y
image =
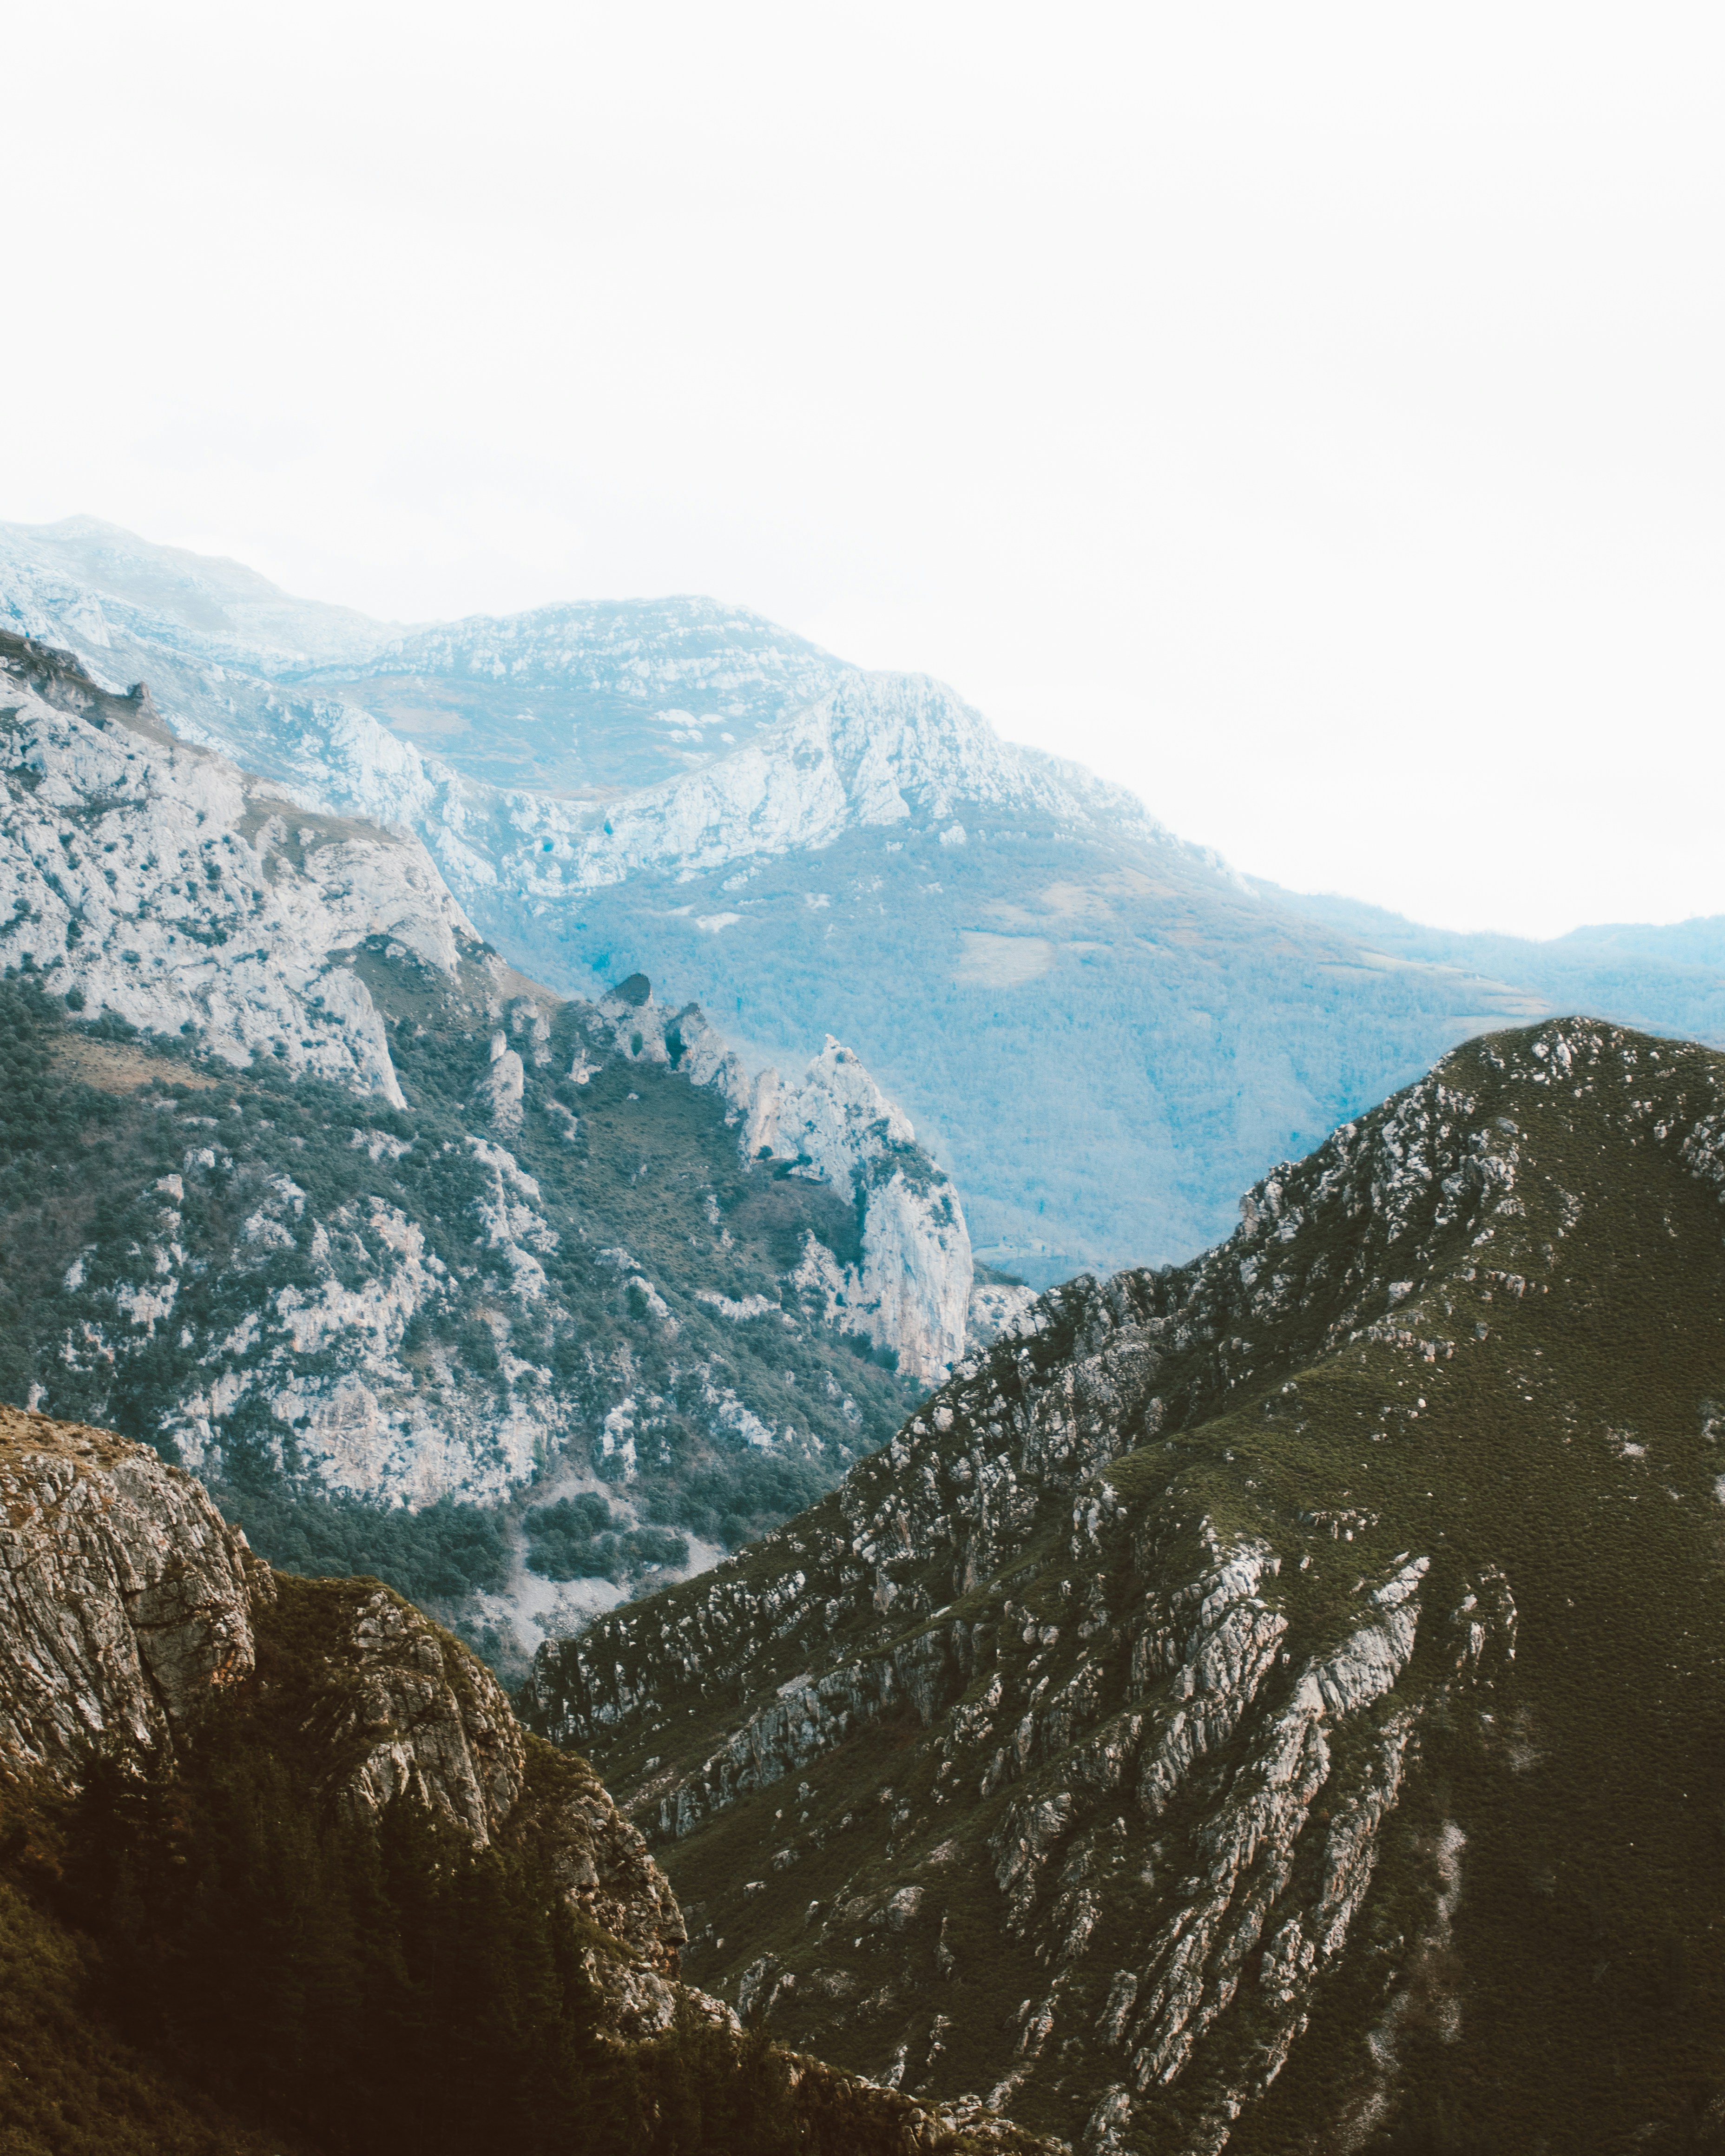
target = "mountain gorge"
x: 1276, y: 1703
x: 504, y: 1109
x: 1103, y: 1033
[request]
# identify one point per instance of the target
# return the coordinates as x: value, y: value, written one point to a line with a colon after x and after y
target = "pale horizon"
x: 1309, y: 424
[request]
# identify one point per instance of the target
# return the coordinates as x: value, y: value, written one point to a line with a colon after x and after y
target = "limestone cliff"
x: 149, y: 876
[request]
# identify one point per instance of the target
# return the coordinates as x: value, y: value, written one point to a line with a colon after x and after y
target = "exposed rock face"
x: 315, y: 1300
x: 860, y: 753
x: 912, y: 1290
x: 1123, y: 1740
x: 127, y: 1597
x: 999, y: 1310
x: 149, y: 877
x: 408, y: 1711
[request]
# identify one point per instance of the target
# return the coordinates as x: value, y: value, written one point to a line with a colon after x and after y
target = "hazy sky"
x: 1310, y: 415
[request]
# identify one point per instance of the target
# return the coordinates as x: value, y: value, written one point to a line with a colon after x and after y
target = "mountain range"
x: 1273, y: 1702
x: 1103, y: 1033
x: 1273, y: 1705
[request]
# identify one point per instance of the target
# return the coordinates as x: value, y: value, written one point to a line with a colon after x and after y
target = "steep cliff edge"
x: 1276, y: 1703
x: 911, y: 1287
x: 277, y: 1859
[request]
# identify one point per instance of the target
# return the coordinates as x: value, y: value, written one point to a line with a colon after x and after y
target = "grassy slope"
x: 1579, y: 2000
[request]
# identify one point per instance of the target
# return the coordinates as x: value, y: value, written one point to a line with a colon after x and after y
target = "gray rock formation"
x: 126, y: 1598
x: 149, y: 877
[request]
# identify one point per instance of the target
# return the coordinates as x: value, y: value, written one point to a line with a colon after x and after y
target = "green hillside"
x: 1281, y: 1703
x: 166, y: 1222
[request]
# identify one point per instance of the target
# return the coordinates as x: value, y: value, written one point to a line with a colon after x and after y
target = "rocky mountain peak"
x: 1177, y: 1730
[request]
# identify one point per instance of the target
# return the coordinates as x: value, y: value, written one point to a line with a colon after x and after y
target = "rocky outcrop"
x: 405, y: 1711
x: 997, y: 1310
x: 1067, y: 1751
x: 912, y: 1290
x: 126, y: 1598
x: 133, y: 1613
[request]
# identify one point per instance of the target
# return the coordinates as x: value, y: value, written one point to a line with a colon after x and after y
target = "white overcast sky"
x: 1310, y: 415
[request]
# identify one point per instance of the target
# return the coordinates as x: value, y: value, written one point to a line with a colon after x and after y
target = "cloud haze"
x: 1310, y: 417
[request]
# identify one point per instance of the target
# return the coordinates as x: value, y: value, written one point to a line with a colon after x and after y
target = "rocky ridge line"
x: 1158, y: 1725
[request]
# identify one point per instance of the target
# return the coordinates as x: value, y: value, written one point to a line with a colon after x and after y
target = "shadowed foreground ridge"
x: 1276, y: 1703
x: 280, y: 1870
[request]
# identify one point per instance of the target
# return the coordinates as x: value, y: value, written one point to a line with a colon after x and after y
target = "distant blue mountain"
x: 1105, y: 1032
x: 1669, y: 979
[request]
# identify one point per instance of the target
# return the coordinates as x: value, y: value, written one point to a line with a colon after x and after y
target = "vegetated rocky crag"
x: 305, y: 1185
x: 130, y: 1613
x: 1104, y: 1033
x: 161, y: 1691
x: 1275, y: 1703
